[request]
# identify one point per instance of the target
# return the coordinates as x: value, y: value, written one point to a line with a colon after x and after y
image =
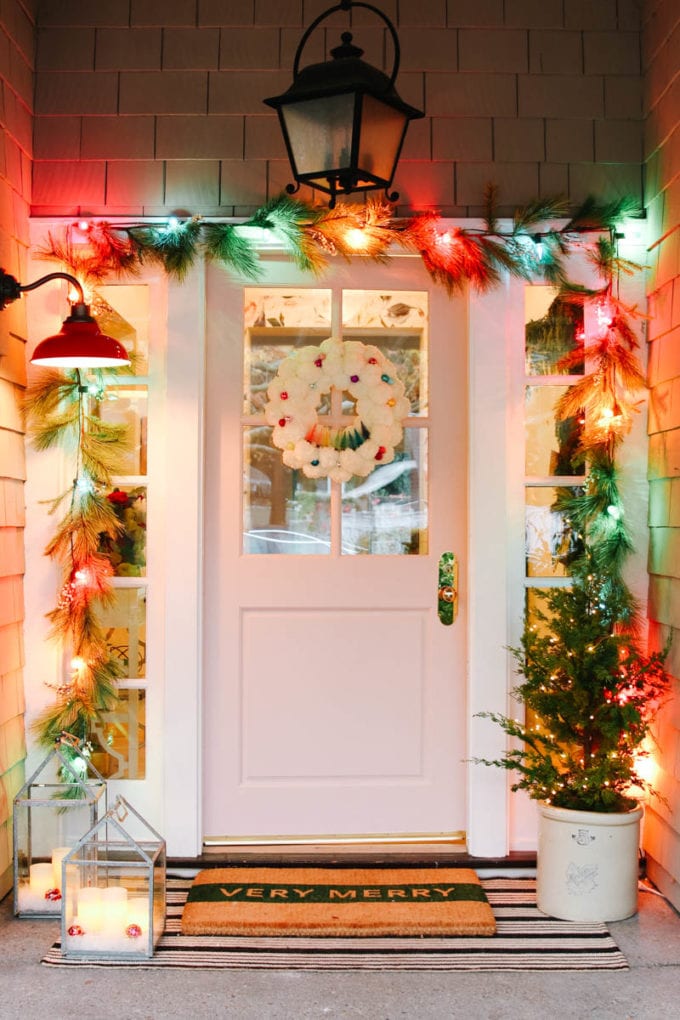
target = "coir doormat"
x: 337, y: 902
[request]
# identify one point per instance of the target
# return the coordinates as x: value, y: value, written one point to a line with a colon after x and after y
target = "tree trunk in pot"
x: 587, y: 864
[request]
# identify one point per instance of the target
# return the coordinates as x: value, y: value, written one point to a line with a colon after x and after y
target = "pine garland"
x: 56, y: 405
x: 531, y: 249
x: 476, y: 256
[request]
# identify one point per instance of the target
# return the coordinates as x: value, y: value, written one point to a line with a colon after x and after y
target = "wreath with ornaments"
x: 326, y: 451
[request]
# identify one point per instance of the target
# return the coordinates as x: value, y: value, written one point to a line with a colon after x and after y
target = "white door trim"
x: 496, y: 322
x: 489, y: 335
x: 184, y: 452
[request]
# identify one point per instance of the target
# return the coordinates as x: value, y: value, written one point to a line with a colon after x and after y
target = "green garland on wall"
x: 455, y: 258
x: 530, y: 248
x: 58, y: 405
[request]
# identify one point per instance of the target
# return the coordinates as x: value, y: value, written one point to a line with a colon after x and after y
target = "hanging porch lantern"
x: 342, y: 121
x: 64, y: 797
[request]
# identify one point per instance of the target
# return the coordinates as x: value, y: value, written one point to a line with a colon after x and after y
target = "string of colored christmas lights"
x: 530, y: 248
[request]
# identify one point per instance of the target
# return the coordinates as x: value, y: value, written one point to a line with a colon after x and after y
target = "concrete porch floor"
x: 650, y: 990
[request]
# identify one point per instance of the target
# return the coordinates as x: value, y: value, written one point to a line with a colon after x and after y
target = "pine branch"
x: 490, y: 208
x: 174, y: 248
x: 537, y: 212
x: 223, y: 242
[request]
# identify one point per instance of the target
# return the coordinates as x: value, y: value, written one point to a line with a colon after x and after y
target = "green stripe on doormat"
x: 282, y: 893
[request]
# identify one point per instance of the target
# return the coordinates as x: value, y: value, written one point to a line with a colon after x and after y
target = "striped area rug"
x: 526, y: 940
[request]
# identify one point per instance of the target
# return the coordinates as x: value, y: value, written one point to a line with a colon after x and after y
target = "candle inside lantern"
x: 90, y: 908
x: 58, y: 855
x: 114, y: 907
x: 138, y: 912
x: 40, y: 879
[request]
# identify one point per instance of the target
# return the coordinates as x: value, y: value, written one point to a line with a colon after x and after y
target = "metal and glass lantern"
x: 64, y: 798
x: 342, y: 121
x: 114, y: 889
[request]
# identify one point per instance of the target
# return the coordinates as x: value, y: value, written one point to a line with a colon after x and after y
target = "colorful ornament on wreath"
x: 325, y: 451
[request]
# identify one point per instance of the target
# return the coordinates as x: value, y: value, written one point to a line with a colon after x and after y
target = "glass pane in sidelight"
x: 119, y: 737
x: 387, y: 512
x: 396, y: 323
x: 127, y: 405
x: 278, y: 320
x: 127, y: 550
x: 283, y: 511
x: 551, y: 543
x: 123, y: 311
x: 535, y: 608
x: 124, y: 624
x: 552, y: 445
x: 553, y: 332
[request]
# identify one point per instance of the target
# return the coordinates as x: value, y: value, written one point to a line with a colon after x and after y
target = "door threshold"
x: 453, y: 841
x: 412, y: 855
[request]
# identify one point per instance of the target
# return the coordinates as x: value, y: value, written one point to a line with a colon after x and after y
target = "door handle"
x: 447, y: 589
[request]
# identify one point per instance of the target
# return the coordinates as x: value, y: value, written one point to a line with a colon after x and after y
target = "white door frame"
x: 494, y: 321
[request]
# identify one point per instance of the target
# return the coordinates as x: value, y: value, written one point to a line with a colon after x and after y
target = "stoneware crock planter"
x: 587, y: 867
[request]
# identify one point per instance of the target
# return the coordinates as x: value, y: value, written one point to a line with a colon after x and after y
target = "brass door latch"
x: 447, y: 592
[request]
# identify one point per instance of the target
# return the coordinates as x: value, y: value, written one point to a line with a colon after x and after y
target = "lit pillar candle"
x: 138, y: 912
x: 90, y: 909
x: 58, y: 855
x: 114, y: 908
x: 40, y: 878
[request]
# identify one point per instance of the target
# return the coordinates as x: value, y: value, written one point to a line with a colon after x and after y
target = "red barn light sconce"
x: 79, y: 343
x: 343, y: 122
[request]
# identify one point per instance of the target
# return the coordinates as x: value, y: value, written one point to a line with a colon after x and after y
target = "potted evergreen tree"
x: 590, y: 694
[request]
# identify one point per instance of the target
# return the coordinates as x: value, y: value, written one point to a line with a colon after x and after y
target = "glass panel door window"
x: 119, y: 747
x: 553, y: 466
x: 287, y: 513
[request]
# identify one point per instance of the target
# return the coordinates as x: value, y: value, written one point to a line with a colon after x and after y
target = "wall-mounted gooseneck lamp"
x: 342, y: 121
x: 79, y: 343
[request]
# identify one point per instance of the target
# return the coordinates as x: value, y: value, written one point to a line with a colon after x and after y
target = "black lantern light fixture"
x: 342, y: 121
x: 79, y: 343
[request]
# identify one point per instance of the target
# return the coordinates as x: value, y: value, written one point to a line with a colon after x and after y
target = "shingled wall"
x: 151, y: 106
x: 17, y: 41
x: 661, y: 38
x: 146, y: 107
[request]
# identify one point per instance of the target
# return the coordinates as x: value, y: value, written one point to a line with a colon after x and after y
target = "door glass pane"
x: 551, y: 543
x: 535, y: 609
x: 119, y: 737
x: 397, y: 324
x: 283, y: 511
x: 122, y: 311
x: 127, y: 551
x: 277, y: 321
x: 124, y: 626
x: 386, y: 513
x: 554, y: 328
x: 127, y: 405
x: 551, y: 445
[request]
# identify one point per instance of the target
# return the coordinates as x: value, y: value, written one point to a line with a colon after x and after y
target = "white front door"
x: 334, y: 697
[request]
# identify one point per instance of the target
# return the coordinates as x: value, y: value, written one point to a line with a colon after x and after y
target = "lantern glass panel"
x: 59, y: 803
x: 114, y: 890
x: 382, y: 131
x: 320, y: 133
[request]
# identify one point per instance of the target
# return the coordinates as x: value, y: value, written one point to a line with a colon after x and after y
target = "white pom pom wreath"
x: 296, y: 392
